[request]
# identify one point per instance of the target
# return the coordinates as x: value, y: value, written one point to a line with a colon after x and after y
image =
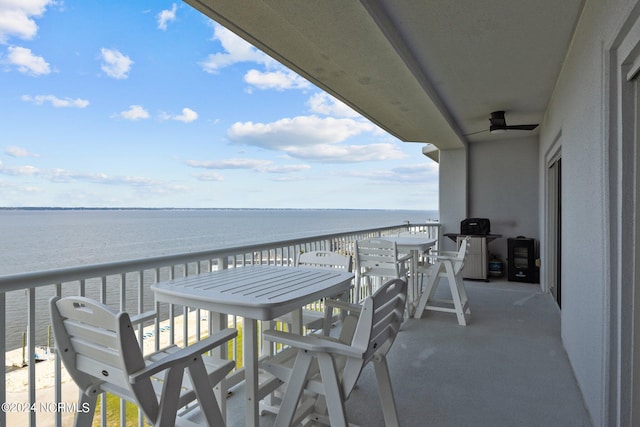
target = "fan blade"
x: 521, y: 127
x: 475, y: 133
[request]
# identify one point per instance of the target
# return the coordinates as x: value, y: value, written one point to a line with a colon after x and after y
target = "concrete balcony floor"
x: 507, y: 367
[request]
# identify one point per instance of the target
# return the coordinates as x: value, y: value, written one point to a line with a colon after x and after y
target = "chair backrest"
x: 98, y: 347
x: 458, y: 264
x: 377, y: 257
x: 324, y: 259
x: 376, y: 330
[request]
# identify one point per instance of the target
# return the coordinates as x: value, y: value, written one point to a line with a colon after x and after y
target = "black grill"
x: 475, y: 226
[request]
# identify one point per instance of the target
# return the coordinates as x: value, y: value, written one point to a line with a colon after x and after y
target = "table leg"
x: 413, y: 283
x: 250, y: 360
x: 296, y: 326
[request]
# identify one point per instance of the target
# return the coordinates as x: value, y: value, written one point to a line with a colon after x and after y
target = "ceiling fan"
x: 499, y: 124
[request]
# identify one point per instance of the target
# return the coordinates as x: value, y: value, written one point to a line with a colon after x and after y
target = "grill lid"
x: 475, y: 226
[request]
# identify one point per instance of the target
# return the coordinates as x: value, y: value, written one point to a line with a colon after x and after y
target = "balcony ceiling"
x: 425, y: 71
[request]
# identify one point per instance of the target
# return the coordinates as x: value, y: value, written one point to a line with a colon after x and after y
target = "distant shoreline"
x: 54, y: 208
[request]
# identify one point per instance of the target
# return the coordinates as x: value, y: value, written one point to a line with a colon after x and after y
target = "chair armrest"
x: 443, y: 253
x: 404, y: 257
x: 343, y: 305
x: 184, y: 354
x: 445, y: 258
x: 311, y: 342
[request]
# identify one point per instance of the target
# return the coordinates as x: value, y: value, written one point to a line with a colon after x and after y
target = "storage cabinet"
x: 476, y: 262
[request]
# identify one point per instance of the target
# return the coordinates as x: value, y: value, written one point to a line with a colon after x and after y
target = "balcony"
x: 508, y: 367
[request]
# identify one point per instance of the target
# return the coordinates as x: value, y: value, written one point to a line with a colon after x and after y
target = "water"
x: 33, y: 240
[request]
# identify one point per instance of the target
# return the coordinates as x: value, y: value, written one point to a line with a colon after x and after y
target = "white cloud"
x: 135, y: 112
x: 286, y: 168
x: 314, y: 138
x: 427, y: 172
x: 15, y: 151
x: 27, y: 62
x: 115, y: 64
x: 137, y: 182
x: 235, y: 50
x: 256, y: 165
x: 279, y: 80
x: 229, y: 164
x: 26, y: 170
x: 210, y: 176
x: 338, y: 153
x: 166, y: 16
x: 323, y: 103
x: 187, y: 116
x: 422, y: 169
x: 55, y: 101
x: 300, y: 131
x: 16, y: 18
x: 67, y: 176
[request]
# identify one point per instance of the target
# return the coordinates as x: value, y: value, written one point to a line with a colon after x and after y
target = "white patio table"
x: 414, y: 244
x: 255, y: 293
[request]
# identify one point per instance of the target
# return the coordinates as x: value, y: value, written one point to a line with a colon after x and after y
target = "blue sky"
x: 151, y: 104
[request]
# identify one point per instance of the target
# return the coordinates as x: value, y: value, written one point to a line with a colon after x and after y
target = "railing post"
x: 223, y: 263
x: 57, y: 366
x: 3, y: 356
x: 31, y: 350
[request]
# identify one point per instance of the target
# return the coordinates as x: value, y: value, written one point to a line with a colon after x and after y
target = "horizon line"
x: 182, y: 208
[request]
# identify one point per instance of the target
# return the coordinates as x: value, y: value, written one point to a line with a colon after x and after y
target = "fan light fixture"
x: 498, y: 124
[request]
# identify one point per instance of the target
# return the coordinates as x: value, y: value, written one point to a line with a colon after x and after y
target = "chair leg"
x: 332, y: 391
x: 204, y: 393
x: 463, y: 294
x: 432, y: 281
x: 294, y: 388
x: 170, y: 393
x: 385, y: 391
x: 455, y: 295
x: 85, y: 419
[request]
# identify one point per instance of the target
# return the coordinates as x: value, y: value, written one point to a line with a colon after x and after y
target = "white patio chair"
x: 377, y: 258
x: 448, y: 265
x: 314, y: 319
x: 98, y: 347
x: 327, y: 369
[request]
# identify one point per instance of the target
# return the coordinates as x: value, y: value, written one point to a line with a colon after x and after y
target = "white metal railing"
x: 125, y: 285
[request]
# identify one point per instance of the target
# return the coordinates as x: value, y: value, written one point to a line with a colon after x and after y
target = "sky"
x: 152, y: 104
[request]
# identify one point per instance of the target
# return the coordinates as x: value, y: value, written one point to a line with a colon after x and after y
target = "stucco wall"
x: 511, y: 205
x: 578, y: 112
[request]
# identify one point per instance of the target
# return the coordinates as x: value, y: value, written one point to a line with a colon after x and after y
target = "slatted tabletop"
x: 257, y: 292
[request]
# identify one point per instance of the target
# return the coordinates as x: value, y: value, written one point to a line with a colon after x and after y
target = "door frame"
x: 622, y: 163
x: 551, y: 264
